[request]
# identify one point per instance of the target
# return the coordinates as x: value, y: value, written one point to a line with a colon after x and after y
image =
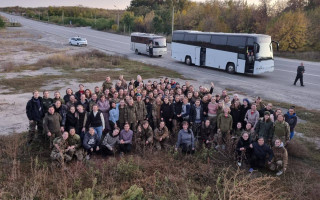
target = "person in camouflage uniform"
x: 144, y: 137
x: 93, y: 101
x: 156, y: 114
x: 74, y: 142
x: 161, y: 136
x: 130, y: 115
x: 141, y: 110
x: 61, y: 149
x: 107, y: 84
x: 282, y: 129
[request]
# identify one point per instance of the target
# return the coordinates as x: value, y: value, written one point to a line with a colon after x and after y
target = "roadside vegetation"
x: 86, y: 67
x: 27, y: 173
x: 294, y: 23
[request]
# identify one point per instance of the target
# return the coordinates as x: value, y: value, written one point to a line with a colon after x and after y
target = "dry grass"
x: 310, y: 56
x: 160, y: 176
x: 91, y: 61
x: 38, y: 48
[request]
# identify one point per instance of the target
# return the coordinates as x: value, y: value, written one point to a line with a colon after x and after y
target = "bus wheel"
x: 188, y: 60
x: 136, y: 51
x: 160, y: 55
x: 231, y: 68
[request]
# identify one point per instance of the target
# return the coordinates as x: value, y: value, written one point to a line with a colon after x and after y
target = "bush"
x: 133, y: 193
x: 2, y: 23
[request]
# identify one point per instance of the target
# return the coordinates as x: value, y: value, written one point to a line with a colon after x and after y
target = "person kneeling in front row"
x: 280, y: 159
x: 60, y: 149
x: 259, y: 155
x: 91, y: 142
x: 185, y: 139
x: 110, y: 142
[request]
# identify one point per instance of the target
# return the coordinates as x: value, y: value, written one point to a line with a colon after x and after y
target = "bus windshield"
x: 159, y: 42
x: 265, y: 51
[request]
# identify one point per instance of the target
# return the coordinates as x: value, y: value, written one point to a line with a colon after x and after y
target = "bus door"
x: 249, y: 59
x: 202, y: 56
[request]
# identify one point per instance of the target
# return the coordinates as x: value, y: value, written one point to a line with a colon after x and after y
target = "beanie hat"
x: 267, y: 113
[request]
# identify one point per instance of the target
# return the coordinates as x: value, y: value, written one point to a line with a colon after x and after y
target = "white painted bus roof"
x: 222, y: 33
x: 148, y: 35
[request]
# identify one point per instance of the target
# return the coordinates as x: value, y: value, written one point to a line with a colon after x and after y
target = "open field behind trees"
x: 294, y: 23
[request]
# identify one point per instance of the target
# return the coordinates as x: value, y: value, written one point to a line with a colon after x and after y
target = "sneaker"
x: 279, y: 173
x: 223, y: 147
x: 217, y: 147
x: 251, y: 170
x: 88, y: 157
x: 239, y: 164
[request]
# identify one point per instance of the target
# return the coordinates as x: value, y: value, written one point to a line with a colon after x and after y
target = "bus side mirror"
x: 277, y: 43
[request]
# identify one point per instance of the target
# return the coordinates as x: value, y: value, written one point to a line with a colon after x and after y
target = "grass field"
x: 85, y: 67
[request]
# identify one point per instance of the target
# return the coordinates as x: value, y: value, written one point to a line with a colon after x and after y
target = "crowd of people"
x: 139, y: 116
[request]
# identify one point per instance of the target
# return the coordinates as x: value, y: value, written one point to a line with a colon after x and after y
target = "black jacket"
x: 166, y: 111
x: 46, y: 103
x: 177, y: 109
x: 236, y: 116
x: 94, y: 121
x: 300, y: 70
x: 71, y: 121
x: 34, y: 110
x: 193, y: 114
x: 260, y: 152
x: 243, y: 143
x: 206, y: 132
x: 63, y: 112
x: 149, y: 111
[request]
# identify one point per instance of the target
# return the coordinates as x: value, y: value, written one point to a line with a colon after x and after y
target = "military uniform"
x: 51, y: 123
x: 130, y: 116
x: 74, y: 140
x: 141, y: 111
x: 106, y: 85
x: 60, y: 154
x: 282, y: 130
x: 143, y: 136
x: 164, y: 134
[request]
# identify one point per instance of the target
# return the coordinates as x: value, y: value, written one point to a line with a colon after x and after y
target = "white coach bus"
x: 233, y: 52
x: 150, y: 44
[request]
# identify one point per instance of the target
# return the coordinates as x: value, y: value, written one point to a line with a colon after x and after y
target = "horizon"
x: 104, y: 4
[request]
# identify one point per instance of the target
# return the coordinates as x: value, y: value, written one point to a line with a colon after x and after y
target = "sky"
x: 106, y: 4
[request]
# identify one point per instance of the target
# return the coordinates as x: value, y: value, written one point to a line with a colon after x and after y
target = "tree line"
x: 294, y: 23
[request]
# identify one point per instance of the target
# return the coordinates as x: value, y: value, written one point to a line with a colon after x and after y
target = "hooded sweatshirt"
x: 291, y: 120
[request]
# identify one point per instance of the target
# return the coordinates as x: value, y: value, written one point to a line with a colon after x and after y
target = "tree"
x: 290, y: 30
x: 2, y: 23
x: 128, y: 20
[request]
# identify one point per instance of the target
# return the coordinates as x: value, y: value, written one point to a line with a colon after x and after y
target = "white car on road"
x: 78, y: 41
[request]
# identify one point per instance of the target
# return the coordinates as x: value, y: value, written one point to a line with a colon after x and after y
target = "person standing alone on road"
x: 300, y: 72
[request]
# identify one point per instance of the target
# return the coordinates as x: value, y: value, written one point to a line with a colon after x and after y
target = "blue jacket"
x: 185, y: 137
x: 114, y: 114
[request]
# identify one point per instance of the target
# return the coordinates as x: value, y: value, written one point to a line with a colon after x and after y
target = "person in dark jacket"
x: 66, y: 97
x: 149, y: 117
x: 264, y: 128
x: 196, y: 118
x: 62, y: 110
x: 267, y: 108
x: 185, y: 109
x: 243, y: 110
x: 291, y: 119
x: 259, y: 155
x: 91, y: 142
x: 300, y: 72
x: 46, y: 101
x: 235, y: 113
x: 35, y: 114
x: 243, y: 148
x: 80, y: 92
x: 81, y: 121
x: 177, y: 109
x: 71, y: 118
x: 84, y: 102
x: 167, y: 113
x: 207, y: 134
x: 186, y: 140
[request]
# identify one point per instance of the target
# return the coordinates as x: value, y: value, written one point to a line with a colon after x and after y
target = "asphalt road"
x: 277, y: 85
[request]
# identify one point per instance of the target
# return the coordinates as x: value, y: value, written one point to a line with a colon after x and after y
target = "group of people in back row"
x: 148, y: 116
